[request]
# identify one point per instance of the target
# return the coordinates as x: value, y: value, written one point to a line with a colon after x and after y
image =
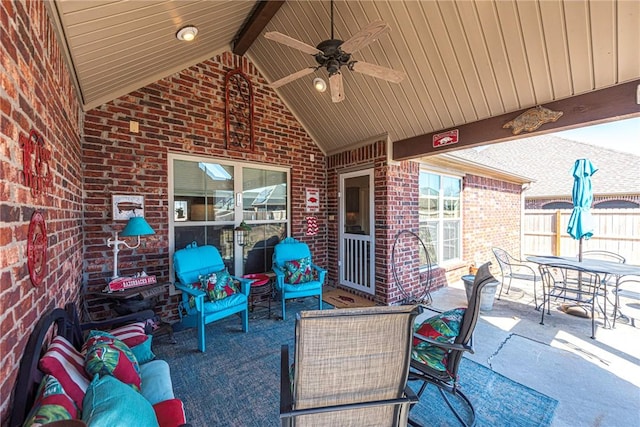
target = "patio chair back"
x: 351, y: 367
x: 514, y: 268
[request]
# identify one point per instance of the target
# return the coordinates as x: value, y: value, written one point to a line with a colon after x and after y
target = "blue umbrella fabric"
x: 580, y: 223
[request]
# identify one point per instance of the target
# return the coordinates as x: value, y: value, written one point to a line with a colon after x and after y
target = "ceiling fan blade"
x: 337, y: 89
x: 291, y: 77
x: 365, y: 36
x: 291, y: 42
x: 373, y: 70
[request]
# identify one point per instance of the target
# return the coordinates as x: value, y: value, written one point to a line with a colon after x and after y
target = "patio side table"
x: 260, y: 287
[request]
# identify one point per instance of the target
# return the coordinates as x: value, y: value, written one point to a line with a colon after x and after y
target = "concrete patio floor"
x: 596, y: 381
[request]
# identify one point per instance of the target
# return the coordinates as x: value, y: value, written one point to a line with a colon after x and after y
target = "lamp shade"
x: 137, y: 226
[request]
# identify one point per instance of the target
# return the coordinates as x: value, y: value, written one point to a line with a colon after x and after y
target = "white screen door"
x: 356, y: 222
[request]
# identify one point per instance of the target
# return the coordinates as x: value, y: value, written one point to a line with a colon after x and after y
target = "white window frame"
x: 441, y: 219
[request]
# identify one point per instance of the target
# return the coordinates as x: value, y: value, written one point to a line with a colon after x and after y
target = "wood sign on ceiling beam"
x: 616, y: 102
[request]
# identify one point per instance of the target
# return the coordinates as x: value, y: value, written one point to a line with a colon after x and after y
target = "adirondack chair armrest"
x: 321, y: 272
x: 279, y: 272
x: 196, y: 293
x: 245, y: 284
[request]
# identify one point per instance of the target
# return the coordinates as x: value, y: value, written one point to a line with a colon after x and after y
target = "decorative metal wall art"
x: 125, y: 206
x: 532, y: 119
x: 37, y: 249
x: 239, y: 111
x: 35, y: 163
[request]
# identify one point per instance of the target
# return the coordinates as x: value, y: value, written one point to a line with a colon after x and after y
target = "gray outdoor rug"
x: 237, y: 381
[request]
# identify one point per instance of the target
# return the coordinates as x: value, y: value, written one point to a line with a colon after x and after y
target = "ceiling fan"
x: 333, y: 54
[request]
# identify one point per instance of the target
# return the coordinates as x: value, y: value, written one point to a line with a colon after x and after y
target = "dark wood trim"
x: 260, y: 17
x: 613, y: 103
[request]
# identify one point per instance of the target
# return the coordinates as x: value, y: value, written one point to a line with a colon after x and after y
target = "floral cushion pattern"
x: 217, y: 286
x: 51, y: 404
x: 66, y: 364
x: 442, y: 328
x: 107, y: 355
x: 298, y: 271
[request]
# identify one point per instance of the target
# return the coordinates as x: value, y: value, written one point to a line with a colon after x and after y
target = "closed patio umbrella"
x: 580, y: 223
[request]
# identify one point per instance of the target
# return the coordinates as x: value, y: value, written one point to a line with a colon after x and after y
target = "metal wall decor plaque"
x: 238, y: 92
x: 37, y: 249
x: 35, y: 163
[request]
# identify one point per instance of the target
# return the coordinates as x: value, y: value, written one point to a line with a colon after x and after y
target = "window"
x: 209, y: 198
x: 440, y: 220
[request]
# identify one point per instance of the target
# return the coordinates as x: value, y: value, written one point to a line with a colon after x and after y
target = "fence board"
x: 616, y: 230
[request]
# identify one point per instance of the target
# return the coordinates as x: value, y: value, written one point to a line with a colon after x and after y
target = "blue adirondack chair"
x: 191, y: 263
x: 285, y: 255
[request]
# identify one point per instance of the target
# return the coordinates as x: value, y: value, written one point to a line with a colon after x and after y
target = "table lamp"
x: 137, y: 226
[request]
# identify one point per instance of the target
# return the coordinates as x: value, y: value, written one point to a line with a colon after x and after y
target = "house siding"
x: 36, y: 92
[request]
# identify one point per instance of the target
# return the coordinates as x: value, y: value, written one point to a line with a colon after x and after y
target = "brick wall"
x: 35, y: 93
x: 184, y: 113
x: 492, y: 216
x: 396, y: 209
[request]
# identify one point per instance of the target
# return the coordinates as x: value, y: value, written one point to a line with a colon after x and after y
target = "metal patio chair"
x: 436, y: 358
x: 514, y: 268
x: 350, y: 368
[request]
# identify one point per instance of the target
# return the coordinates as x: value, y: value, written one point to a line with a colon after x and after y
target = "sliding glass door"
x: 209, y: 198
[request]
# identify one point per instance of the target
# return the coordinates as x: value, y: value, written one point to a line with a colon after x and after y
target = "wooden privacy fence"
x: 616, y: 230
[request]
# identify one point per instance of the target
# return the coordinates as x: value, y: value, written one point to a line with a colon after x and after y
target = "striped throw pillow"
x: 66, y: 364
x: 131, y: 334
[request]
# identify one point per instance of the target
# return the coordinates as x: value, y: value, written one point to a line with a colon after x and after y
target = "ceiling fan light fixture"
x: 187, y: 33
x: 319, y: 84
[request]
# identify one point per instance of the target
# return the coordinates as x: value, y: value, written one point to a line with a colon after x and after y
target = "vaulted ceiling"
x: 465, y: 60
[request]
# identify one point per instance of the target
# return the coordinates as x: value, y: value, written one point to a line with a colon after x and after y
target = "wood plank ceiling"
x: 465, y: 60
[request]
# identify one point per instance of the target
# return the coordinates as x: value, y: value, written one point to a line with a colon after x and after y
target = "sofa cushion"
x: 65, y: 363
x: 142, y: 352
x: 442, y: 328
x: 110, y: 402
x: 156, y: 381
x: 170, y: 413
x: 131, y: 334
x: 51, y: 404
x: 298, y: 271
x: 107, y: 355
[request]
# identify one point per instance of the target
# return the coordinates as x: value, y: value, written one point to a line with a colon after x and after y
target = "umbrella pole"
x: 580, y: 250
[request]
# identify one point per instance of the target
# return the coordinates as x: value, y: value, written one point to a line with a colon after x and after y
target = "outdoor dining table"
x: 600, y: 268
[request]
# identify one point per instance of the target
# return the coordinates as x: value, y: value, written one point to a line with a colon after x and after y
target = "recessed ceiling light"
x: 187, y: 33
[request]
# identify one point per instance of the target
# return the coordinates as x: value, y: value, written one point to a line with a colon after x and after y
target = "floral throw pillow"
x: 218, y: 285
x: 107, y: 355
x: 298, y: 271
x: 52, y: 404
x: 442, y: 328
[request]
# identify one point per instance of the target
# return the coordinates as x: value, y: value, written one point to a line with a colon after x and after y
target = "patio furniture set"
x: 584, y: 284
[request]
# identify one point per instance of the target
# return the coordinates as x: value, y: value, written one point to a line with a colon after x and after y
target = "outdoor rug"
x: 343, y: 299
x: 237, y: 381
